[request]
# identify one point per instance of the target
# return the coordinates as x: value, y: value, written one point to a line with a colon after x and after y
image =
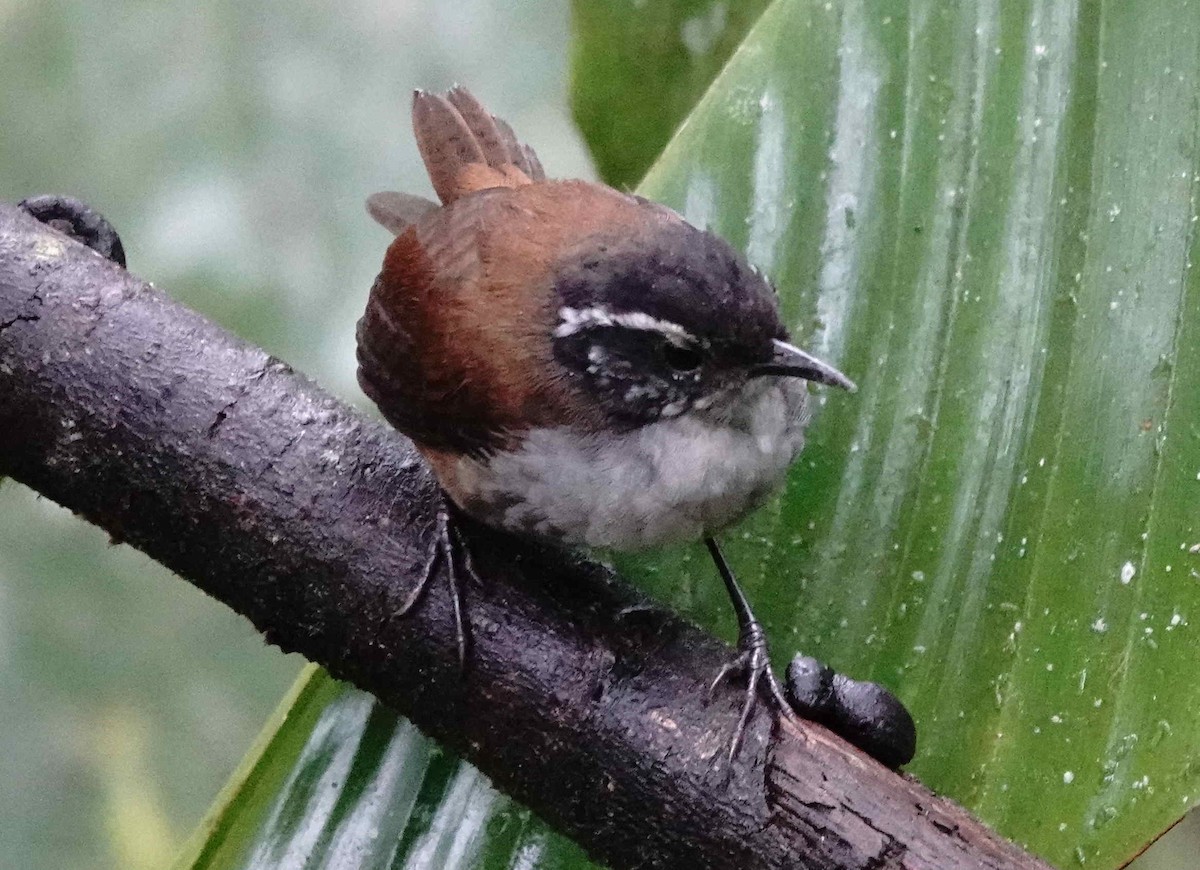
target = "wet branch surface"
x: 314, y: 522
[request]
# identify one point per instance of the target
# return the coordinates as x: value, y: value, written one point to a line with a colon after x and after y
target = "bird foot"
x: 753, y: 663
x: 447, y: 549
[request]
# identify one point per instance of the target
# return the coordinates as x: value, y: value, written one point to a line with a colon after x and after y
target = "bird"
x: 579, y: 364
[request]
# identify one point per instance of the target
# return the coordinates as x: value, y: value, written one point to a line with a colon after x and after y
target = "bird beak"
x: 791, y: 361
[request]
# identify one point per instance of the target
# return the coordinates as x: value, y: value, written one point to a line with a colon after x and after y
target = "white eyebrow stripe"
x: 572, y: 320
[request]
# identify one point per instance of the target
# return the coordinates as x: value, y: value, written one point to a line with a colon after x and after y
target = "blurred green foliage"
x: 232, y: 145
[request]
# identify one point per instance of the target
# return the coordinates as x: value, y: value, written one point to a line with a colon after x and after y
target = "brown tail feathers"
x: 466, y: 148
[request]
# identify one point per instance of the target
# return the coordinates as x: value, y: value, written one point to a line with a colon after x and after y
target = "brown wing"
x: 455, y: 346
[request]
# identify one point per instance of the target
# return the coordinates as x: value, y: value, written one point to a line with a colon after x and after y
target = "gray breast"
x: 670, y: 481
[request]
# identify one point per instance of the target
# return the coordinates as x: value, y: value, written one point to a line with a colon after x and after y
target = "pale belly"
x: 671, y: 481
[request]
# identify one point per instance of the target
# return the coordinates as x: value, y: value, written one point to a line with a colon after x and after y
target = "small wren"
x: 578, y: 364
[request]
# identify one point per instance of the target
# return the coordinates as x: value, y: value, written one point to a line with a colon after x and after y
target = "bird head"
x: 670, y: 321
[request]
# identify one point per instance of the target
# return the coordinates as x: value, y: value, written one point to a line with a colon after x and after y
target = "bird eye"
x: 682, y: 359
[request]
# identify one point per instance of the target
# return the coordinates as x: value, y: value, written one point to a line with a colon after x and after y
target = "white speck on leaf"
x: 1127, y: 572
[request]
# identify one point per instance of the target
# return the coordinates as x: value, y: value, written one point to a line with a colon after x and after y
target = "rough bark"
x: 314, y: 522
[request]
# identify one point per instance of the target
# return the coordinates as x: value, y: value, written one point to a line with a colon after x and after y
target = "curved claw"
x: 431, y: 565
x: 753, y: 661
x: 460, y: 622
x: 722, y: 675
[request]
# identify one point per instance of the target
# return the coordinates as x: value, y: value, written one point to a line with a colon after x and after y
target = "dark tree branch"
x: 314, y: 522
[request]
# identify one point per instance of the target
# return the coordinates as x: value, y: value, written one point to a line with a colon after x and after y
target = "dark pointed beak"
x: 791, y: 361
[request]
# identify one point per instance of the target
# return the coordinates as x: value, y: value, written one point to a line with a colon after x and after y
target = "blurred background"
x: 232, y: 145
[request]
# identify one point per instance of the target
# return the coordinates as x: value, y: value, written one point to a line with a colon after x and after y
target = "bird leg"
x: 446, y: 547
x: 753, y: 658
